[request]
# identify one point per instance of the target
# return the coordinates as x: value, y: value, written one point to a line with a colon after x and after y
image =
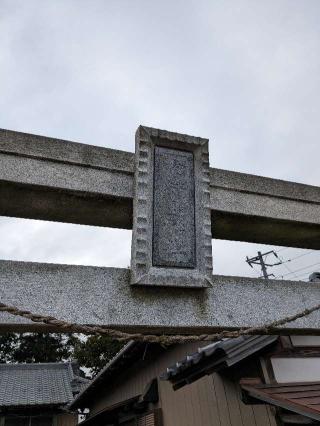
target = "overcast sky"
x: 245, y: 74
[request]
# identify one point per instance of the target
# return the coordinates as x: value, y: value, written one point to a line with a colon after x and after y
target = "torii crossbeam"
x: 170, y: 286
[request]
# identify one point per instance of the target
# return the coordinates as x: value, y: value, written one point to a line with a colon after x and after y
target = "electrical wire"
x: 291, y: 260
x: 282, y: 249
x: 301, y: 255
x: 290, y: 272
x: 306, y: 274
x: 300, y: 269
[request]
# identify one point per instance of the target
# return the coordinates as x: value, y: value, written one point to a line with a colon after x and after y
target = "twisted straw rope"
x: 65, y: 326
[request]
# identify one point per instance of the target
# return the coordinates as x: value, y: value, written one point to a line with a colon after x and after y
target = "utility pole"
x: 260, y: 260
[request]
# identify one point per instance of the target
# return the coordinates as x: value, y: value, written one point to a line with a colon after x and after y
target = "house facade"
x: 39, y: 394
x: 286, y: 381
x: 253, y: 380
x: 134, y: 388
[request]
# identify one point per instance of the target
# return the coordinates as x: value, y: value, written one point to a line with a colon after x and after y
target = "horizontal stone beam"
x: 71, y: 182
x: 103, y: 296
x: 64, y: 181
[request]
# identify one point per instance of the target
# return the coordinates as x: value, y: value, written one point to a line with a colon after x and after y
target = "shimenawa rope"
x: 68, y: 327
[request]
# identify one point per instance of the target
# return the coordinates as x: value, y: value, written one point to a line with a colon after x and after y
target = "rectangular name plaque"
x: 173, y: 209
x: 171, y: 236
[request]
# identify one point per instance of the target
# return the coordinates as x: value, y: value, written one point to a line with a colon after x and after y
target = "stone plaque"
x: 171, y: 236
x: 173, y: 209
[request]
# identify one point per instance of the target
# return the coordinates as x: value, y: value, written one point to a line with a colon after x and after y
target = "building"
x: 253, y: 380
x: 132, y: 390
x: 39, y: 394
x: 286, y: 380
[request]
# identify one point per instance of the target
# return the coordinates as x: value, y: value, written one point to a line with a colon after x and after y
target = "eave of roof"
x: 100, y: 377
x: 31, y: 407
x: 214, y: 357
x: 302, y: 398
x: 109, y: 414
x: 236, y: 350
x: 135, y: 404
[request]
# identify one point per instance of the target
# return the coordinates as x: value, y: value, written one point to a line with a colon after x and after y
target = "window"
x: 305, y: 341
x: 296, y: 369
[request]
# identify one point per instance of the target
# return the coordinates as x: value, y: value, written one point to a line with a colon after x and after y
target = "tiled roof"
x: 38, y: 384
x: 225, y: 353
x: 214, y: 357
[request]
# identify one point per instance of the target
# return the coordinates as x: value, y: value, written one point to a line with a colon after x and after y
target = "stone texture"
x: 172, y: 204
x: 92, y: 295
x: 45, y: 148
x: 83, y: 184
x: 78, y: 183
x: 173, y: 209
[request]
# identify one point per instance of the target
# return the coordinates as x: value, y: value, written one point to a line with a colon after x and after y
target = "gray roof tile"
x: 214, y: 357
x: 37, y: 384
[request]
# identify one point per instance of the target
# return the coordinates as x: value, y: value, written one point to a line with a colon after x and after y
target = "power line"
x: 288, y: 269
x: 261, y: 258
x: 300, y: 269
x: 304, y: 254
x: 283, y: 249
x: 301, y: 255
x: 291, y: 260
x: 306, y: 274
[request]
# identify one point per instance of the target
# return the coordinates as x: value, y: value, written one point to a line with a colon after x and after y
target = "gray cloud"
x: 243, y: 73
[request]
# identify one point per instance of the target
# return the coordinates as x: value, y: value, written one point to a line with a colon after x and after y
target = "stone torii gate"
x: 175, y: 203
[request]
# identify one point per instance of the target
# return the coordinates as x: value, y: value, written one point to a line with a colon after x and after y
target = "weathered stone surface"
x: 59, y: 150
x: 173, y: 209
x: 64, y: 181
x: 171, y: 238
x: 91, y: 295
x: 77, y: 183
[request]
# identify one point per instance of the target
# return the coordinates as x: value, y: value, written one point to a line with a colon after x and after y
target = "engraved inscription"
x: 173, y: 209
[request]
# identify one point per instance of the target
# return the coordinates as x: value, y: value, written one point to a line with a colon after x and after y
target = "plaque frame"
x: 142, y: 270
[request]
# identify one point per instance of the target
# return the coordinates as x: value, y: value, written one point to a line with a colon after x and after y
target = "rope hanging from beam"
x: 69, y: 327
